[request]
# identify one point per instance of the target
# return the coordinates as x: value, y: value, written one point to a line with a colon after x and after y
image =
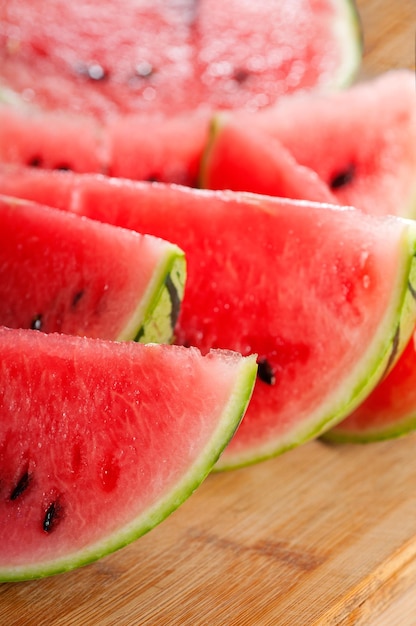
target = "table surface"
x: 321, y: 535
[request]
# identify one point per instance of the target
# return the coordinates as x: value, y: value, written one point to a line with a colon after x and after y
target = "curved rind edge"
x: 154, y: 319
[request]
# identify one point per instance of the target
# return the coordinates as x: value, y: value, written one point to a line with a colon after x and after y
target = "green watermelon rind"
x: 382, y: 354
x: 155, y: 317
x: 228, y: 423
x: 400, y: 428
x: 348, y: 31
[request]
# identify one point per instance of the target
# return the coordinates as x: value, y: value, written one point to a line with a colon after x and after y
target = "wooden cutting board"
x: 322, y: 535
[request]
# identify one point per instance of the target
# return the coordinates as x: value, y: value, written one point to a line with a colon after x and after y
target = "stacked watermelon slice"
x: 102, y: 437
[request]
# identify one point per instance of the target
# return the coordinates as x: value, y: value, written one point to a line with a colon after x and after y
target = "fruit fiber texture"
x: 111, y: 58
x: 100, y: 441
x: 256, y: 285
x: 64, y: 273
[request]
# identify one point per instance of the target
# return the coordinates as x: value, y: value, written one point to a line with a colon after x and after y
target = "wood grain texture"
x: 323, y: 535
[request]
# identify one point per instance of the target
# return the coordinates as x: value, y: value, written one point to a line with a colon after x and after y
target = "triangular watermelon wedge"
x: 322, y: 294
x: 63, y: 273
x: 100, y: 441
x: 360, y: 141
x: 241, y: 158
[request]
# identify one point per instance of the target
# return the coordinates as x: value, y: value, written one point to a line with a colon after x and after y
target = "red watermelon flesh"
x: 51, y: 141
x: 121, y: 57
x: 100, y: 441
x: 316, y: 291
x: 140, y: 147
x: 389, y: 411
x: 361, y: 141
x: 61, y: 272
x: 240, y: 158
x: 252, y: 67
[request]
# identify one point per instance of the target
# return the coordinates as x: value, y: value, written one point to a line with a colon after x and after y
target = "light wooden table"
x: 322, y: 535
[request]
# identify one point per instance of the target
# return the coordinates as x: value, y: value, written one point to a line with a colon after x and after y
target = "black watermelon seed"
x: 77, y: 298
x: 241, y: 75
x: 21, y: 486
x: 153, y: 178
x: 343, y: 178
x: 52, y: 517
x: 35, y: 161
x: 175, y: 301
x: 36, y: 323
x: 265, y: 372
x: 63, y: 167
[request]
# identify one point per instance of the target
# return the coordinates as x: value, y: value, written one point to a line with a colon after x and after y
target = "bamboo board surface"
x: 322, y: 535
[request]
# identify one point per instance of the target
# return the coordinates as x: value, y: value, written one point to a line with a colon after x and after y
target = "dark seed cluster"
x: 52, y: 514
x: 265, y: 372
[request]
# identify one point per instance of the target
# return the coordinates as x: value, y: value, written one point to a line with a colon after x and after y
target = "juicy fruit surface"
x: 168, y: 56
x: 63, y: 273
x: 99, y: 441
x: 245, y: 254
x: 361, y: 141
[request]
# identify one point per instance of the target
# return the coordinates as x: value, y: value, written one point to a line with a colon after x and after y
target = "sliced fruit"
x: 389, y: 411
x: 100, y: 441
x: 361, y: 141
x: 111, y: 58
x: 241, y: 158
x: 141, y: 147
x: 61, y: 272
x: 322, y: 294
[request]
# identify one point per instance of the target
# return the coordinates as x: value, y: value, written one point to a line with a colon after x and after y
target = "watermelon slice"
x: 389, y: 411
x: 241, y: 158
x: 110, y: 58
x: 63, y: 273
x: 361, y: 142
x: 100, y: 441
x: 322, y: 294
